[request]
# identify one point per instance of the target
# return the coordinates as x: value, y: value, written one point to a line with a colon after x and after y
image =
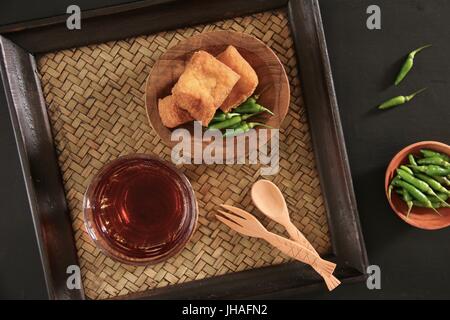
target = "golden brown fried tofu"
x: 171, y: 115
x: 246, y: 85
x: 203, y: 87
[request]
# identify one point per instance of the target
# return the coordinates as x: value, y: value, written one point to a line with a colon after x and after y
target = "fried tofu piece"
x: 171, y: 115
x: 246, y: 85
x: 203, y: 87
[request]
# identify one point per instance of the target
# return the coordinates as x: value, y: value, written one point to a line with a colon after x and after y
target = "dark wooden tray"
x: 19, y: 44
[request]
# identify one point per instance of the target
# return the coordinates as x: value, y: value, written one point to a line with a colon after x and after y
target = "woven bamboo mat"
x: 95, y: 104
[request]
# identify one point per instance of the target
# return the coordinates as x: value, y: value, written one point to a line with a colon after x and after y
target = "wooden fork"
x: 246, y: 224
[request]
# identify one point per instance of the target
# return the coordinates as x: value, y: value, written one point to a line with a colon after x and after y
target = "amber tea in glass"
x: 140, y: 209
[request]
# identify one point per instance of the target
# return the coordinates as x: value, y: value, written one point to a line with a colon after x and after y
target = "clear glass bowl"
x: 140, y: 210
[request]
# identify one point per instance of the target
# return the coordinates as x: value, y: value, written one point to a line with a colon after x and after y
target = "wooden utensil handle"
x: 298, y: 252
x: 298, y: 237
x: 292, y: 249
x: 326, y: 271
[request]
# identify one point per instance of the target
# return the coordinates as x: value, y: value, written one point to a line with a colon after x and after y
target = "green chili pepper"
x: 436, y: 205
x: 391, y: 186
x: 431, y: 170
x: 223, y: 116
x: 407, y: 197
x: 436, y: 161
x: 433, y: 183
x: 419, y: 184
x: 251, y: 100
x: 243, y: 128
x: 412, y: 161
x: 230, y: 122
x: 442, y: 196
x: 432, y: 199
x: 407, y: 169
x: 408, y: 64
x: 396, y: 101
x: 442, y: 180
x: 415, y: 193
x: 433, y: 154
x: 251, y: 106
x: 408, y: 200
x: 237, y: 125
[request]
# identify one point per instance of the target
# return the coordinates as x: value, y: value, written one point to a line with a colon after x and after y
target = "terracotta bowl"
x: 419, y: 217
x: 273, y: 83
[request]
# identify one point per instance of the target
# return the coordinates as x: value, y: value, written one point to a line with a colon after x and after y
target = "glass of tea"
x: 140, y: 209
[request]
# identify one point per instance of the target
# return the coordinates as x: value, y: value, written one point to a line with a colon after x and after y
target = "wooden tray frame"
x: 20, y: 42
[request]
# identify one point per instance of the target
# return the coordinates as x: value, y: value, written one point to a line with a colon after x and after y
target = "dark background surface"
x: 414, y: 263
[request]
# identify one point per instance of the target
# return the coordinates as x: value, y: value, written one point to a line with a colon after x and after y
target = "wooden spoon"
x: 269, y: 200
